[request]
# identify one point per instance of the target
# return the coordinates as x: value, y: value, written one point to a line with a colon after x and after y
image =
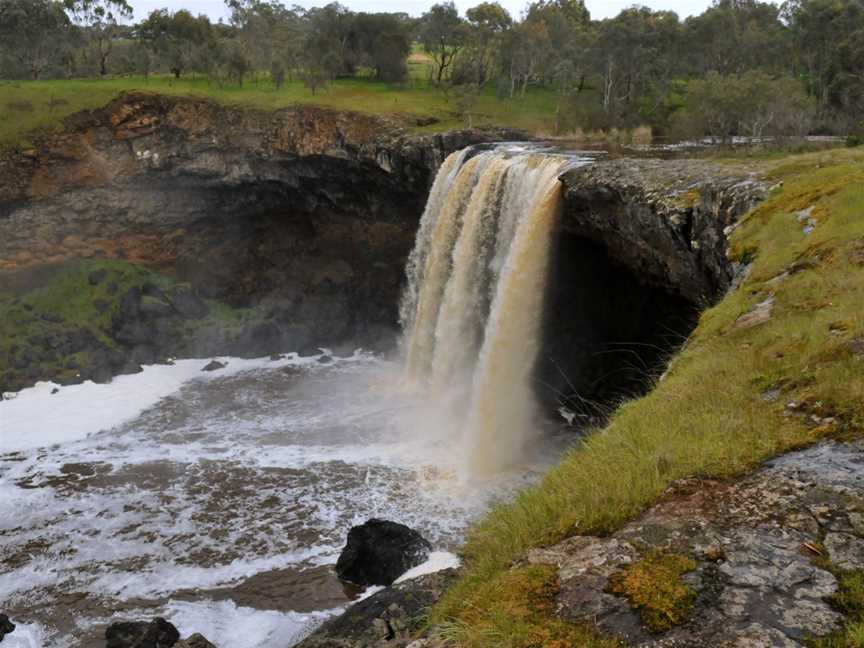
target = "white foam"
x: 232, y: 626
x: 31, y: 635
x: 37, y: 418
x: 437, y: 561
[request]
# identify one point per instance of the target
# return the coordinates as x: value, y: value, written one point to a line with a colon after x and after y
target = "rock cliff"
x: 232, y: 231
x: 303, y: 217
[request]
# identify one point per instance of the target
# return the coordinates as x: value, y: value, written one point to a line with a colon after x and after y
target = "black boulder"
x: 158, y: 633
x: 379, y: 551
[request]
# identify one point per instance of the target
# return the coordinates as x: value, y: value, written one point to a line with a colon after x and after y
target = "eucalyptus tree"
x: 635, y: 54
x: 33, y: 35
x: 383, y: 42
x: 178, y: 38
x: 733, y: 36
x: 487, y: 24
x: 443, y: 34
x: 101, y: 21
x: 829, y: 46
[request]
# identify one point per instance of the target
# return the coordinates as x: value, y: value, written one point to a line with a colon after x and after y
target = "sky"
x: 598, y: 8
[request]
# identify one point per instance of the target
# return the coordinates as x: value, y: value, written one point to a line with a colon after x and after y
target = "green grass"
x: 849, y: 600
x: 37, y: 318
x: 707, y: 417
x: 513, y: 610
x: 50, y: 101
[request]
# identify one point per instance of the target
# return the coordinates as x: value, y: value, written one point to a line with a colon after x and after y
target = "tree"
x: 100, y: 17
x: 829, y: 41
x: 487, y: 22
x: 734, y: 36
x: 442, y: 33
x: 635, y: 56
x: 175, y: 38
x: 382, y: 42
x: 33, y: 33
x: 752, y: 105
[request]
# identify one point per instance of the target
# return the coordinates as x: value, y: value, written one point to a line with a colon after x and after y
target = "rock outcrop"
x: 301, y: 218
x: 663, y: 219
x: 640, y: 253
x: 391, y: 618
x: 157, y: 633
x: 758, y: 548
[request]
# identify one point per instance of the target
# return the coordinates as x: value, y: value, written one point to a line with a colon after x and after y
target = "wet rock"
x: 188, y: 304
x: 325, y: 359
x: 157, y: 633
x: 380, y: 551
x: 392, y: 618
x: 195, y: 641
x: 153, y: 307
x: 753, y: 541
x: 6, y: 626
x: 214, y: 365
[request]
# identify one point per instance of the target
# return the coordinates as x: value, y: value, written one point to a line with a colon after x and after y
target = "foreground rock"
x: 751, y: 545
x: 6, y: 626
x: 392, y: 618
x: 379, y: 551
x: 157, y: 633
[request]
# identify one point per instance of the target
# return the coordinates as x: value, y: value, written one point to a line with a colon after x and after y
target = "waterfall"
x: 472, y: 307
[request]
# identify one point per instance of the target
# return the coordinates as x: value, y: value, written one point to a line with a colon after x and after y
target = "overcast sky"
x: 598, y: 8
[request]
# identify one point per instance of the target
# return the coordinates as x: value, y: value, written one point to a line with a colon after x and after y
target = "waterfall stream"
x: 472, y: 307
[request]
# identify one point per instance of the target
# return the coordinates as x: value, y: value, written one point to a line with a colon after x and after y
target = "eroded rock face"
x: 663, y: 219
x: 305, y: 214
x: 754, y: 541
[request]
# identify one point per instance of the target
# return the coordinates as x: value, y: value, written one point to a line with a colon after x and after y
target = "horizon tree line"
x: 740, y: 67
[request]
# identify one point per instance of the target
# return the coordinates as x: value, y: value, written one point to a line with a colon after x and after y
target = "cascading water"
x: 472, y: 307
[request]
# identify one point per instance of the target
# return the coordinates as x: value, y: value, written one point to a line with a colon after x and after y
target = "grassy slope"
x: 53, y: 100
x: 709, y: 415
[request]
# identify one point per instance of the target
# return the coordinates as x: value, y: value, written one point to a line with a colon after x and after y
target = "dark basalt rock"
x: 157, y: 633
x: 6, y: 626
x: 214, y: 365
x: 380, y: 551
x: 392, y: 618
x: 188, y: 304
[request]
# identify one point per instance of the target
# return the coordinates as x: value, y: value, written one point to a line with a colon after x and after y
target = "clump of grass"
x: 707, y: 417
x: 513, y: 610
x: 654, y: 587
x: 849, y: 600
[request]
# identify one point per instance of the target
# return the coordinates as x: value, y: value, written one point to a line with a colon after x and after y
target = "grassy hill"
x: 28, y: 105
